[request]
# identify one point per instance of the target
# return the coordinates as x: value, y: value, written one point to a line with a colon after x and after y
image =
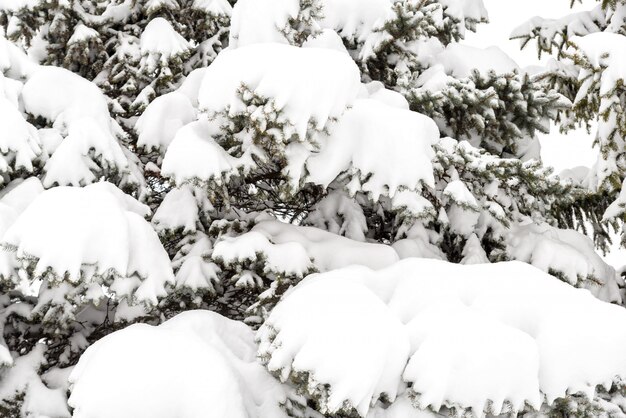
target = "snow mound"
x: 63, y: 97
x: 208, y: 362
x: 13, y: 61
x: 460, y: 60
x: 261, y: 21
x: 194, y: 154
x: 402, y: 161
x: 283, y: 244
x: 19, y: 142
x: 159, y: 42
x: 567, y: 253
x: 309, y: 85
x: 375, y: 331
x: 94, y: 234
x: 158, y: 124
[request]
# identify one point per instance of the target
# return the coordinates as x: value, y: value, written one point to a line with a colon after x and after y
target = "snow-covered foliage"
x: 377, y: 343
x: 133, y: 50
x: 294, y: 171
x: 590, y: 71
x: 355, y: 338
x: 208, y: 361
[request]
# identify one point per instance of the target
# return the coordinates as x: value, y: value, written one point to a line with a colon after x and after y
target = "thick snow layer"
x: 309, y: 85
x: 160, y: 42
x: 19, y: 142
x: 40, y: 400
x: 16, y: 197
x: 89, y: 233
x: 525, y: 336
x: 215, y: 7
x: 355, y: 19
x: 73, y: 160
x: 355, y: 144
x: 198, y: 364
x: 181, y: 208
x: 158, y: 124
x: 261, y: 21
x: 567, y: 252
x: 13, y: 61
x: 82, y: 33
x: 460, y: 60
x: 63, y: 97
x: 294, y: 249
x: 194, y: 154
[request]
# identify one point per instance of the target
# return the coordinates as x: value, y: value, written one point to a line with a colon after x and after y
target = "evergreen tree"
x: 146, y: 170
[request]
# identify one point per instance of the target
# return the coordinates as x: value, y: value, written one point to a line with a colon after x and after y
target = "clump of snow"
x: 355, y: 144
x: 78, y: 111
x: 308, y: 85
x: 262, y: 21
x: 194, y: 154
x: 460, y: 60
x: 40, y: 400
x: 13, y: 61
x: 91, y: 234
x: 196, y: 364
x: 73, y: 160
x: 216, y: 7
x: 63, y: 97
x: 306, y: 245
x: 158, y: 124
x: 566, y: 252
x: 82, y: 33
x: 355, y: 19
x: 555, y: 31
x: 181, y: 208
x: 395, y: 331
x: 159, y: 42
x: 344, y: 114
x: 19, y: 142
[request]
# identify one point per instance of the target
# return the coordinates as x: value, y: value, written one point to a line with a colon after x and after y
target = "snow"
x: 19, y: 143
x: 308, y: 85
x: 72, y: 162
x: 15, y: 197
x: 288, y: 258
x: 63, y: 97
x: 216, y: 7
x: 572, y: 25
x: 603, y: 51
x: 262, y: 21
x: 159, y: 42
x: 158, y: 124
x: 355, y: 19
x: 89, y: 234
x: 460, y: 60
x: 293, y: 249
x: 354, y: 145
x: 207, y: 361
x: 566, y: 251
x: 39, y: 399
x: 194, y: 154
x: 365, y: 332
x: 13, y: 62
x: 323, y: 247
x: 311, y: 87
x: 180, y: 208
x: 83, y: 33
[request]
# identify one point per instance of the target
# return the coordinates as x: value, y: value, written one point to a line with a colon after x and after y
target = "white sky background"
x: 557, y: 150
